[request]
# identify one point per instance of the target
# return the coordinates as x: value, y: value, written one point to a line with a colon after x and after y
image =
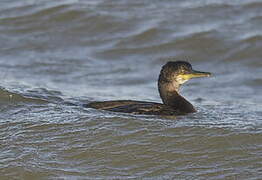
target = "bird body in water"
x: 173, y: 74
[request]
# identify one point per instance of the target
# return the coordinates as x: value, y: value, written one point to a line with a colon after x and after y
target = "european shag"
x: 173, y: 74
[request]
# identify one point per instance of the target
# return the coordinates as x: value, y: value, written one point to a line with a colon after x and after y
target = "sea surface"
x: 56, y: 56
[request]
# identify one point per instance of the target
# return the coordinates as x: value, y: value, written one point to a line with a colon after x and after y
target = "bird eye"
x: 183, y: 70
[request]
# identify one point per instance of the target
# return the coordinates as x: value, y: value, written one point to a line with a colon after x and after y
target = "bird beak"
x: 195, y: 74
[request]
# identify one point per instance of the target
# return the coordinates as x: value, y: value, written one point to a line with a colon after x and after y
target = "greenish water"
x: 56, y: 53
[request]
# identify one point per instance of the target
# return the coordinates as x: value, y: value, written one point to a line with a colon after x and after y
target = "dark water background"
x: 52, y: 52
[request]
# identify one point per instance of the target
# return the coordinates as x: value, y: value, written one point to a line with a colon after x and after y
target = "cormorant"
x: 173, y: 74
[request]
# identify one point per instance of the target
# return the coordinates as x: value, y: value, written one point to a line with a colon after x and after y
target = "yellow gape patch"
x: 182, y: 78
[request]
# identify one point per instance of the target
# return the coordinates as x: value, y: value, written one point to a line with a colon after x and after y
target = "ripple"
x: 56, y: 56
x: 7, y: 96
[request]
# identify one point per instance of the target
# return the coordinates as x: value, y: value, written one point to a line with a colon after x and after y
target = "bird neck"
x: 169, y: 94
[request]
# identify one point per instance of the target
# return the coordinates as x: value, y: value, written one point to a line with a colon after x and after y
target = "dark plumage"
x: 173, y: 74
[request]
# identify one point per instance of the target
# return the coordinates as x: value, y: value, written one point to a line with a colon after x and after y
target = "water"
x: 54, y: 53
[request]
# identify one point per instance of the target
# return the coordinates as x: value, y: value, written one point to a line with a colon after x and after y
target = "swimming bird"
x: 172, y: 75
